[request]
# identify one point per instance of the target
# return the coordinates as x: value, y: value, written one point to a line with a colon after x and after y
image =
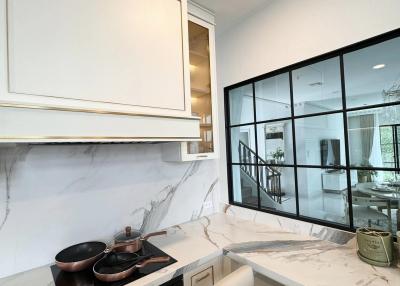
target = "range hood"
x: 24, y: 123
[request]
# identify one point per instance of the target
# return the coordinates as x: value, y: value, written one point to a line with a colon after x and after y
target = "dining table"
x: 385, y: 190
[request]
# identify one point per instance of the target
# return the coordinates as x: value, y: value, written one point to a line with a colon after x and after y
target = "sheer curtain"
x: 364, y: 140
x: 367, y: 129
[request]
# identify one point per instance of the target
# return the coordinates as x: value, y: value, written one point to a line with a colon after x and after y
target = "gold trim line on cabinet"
x: 97, y: 111
x: 94, y: 138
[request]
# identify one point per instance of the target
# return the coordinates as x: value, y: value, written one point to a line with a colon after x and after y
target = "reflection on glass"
x: 245, y: 184
x: 277, y: 188
x: 323, y: 194
x: 317, y: 87
x: 320, y: 140
x: 376, y: 199
x: 241, y: 106
x: 200, y: 81
x: 273, y: 97
x: 275, y: 142
x: 243, y: 145
x: 372, y: 74
x: 374, y: 137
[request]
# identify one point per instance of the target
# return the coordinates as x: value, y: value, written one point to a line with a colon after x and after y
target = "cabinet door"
x: 124, y: 54
x: 203, y: 95
x: 202, y: 81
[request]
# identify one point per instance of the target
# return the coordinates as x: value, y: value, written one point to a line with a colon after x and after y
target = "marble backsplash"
x: 52, y: 196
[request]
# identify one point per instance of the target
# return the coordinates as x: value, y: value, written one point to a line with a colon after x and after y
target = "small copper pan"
x: 133, y: 240
x: 110, y: 273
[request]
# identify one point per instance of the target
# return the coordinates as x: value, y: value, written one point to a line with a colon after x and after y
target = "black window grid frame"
x: 344, y: 110
x: 395, y: 144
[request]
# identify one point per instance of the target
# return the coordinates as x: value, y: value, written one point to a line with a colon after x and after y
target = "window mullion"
x: 296, y: 188
x: 346, y: 143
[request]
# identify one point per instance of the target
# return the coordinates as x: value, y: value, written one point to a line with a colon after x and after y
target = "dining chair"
x: 366, y: 207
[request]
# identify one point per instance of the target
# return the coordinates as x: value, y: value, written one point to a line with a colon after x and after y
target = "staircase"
x: 269, y: 178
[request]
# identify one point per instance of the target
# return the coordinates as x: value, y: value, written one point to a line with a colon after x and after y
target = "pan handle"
x: 122, y: 244
x: 157, y: 259
x: 147, y: 236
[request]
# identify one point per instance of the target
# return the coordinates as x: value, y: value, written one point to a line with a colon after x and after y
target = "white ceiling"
x: 320, y: 84
x: 230, y: 12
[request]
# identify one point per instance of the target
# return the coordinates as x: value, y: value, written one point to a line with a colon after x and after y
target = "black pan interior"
x: 81, y: 251
x: 116, y: 262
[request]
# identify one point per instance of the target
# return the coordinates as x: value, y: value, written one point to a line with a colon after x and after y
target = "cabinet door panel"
x: 115, y: 51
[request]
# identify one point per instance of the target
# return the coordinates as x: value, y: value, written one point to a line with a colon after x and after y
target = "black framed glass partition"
x: 319, y: 140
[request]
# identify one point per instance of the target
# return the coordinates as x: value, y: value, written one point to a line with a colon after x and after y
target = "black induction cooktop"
x: 87, y: 278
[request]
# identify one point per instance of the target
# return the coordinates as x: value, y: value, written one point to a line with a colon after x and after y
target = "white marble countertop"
x: 289, y: 258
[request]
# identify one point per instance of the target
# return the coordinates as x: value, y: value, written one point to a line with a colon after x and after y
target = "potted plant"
x: 366, y: 176
x: 375, y: 246
x: 278, y: 155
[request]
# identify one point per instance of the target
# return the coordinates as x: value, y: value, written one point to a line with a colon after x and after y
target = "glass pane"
x: 273, y: 97
x: 277, y: 190
x: 323, y: 194
x: 376, y: 198
x: 387, y: 145
x: 241, y: 107
x: 320, y: 140
x: 373, y: 136
x: 275, y: 142
x: 243, y: 145
x: 317, y: 87
x: 372, y: 74
x: 200, y: 81
x: 245, y: 184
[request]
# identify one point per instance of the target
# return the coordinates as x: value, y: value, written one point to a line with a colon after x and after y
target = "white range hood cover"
x: 33, y: 124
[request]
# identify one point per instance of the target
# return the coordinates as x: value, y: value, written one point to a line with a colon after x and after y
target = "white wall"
x: 288, y: 31
x: 309, y: 133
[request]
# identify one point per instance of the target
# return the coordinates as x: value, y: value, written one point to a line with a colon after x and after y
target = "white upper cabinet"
x: 203, y: 90
x: 126, y: 58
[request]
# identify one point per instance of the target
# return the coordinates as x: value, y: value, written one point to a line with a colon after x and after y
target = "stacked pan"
x: 109, y: 263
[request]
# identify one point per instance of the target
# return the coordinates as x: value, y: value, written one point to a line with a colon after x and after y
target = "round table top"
x: 379, y: 190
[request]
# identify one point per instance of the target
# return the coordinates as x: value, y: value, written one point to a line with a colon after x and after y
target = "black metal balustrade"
x: 269, y: 178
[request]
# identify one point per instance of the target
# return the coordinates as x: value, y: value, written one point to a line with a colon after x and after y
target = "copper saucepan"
x: 83, y: 255
x: 133, y: 240
x: 115, y: 266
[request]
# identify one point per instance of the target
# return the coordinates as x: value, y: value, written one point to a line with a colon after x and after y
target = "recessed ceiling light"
x: 377, y: 67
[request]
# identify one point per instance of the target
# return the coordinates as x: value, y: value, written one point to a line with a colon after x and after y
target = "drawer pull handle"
x: 202, y: 156
x: 202, y: 278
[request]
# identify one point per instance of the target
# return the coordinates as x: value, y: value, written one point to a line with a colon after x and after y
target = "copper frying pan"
x: 114, y: 268
x: 83, y: 255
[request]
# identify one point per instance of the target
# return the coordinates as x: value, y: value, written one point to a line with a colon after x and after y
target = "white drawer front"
x: 204, y: 278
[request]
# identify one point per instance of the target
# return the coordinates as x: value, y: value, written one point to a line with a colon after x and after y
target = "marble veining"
x: 206, y: 231
x: 153, y: 217
x: 318, y: 231
x: 7, y: 166
x: 286, y: 257
x: 53, y: 196
x: 278, y: 246
x: 206, y: 197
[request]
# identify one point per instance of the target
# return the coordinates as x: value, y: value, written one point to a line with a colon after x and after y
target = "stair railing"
x: 268, y: 177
